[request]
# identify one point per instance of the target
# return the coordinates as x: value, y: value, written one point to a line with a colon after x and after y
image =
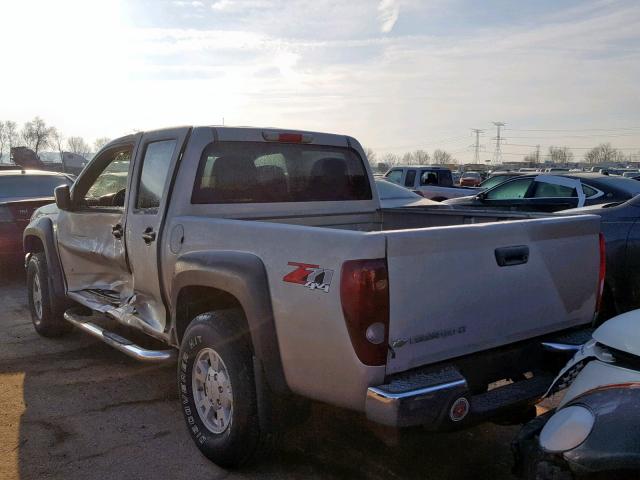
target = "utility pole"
x: 497, y: 155
x: 476, y: 146
x: 537, y: 154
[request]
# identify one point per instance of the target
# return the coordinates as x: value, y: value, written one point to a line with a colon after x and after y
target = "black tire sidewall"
x: 219, y: 331
x: 37, y: 267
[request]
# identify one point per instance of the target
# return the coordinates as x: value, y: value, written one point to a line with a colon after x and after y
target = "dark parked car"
x: 21, y: 192
x: 497, y: 178
x: 620, y: 225
x: 551, y: 193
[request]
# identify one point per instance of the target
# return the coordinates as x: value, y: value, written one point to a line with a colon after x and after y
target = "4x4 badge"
x: 310, y: 276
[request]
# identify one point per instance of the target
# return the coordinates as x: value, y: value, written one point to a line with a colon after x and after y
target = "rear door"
x: 155, y: 164
x: 462, y: 289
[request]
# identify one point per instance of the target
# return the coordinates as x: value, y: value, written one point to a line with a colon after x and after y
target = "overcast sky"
x: 397, y: 74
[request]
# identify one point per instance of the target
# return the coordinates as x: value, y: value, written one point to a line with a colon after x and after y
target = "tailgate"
x: 450, y: 297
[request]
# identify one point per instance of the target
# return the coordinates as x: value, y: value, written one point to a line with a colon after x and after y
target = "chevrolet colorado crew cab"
x: 262, y: 262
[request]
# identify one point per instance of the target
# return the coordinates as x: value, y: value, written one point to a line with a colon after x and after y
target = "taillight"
x: 602, y: 273
x: 364, y: 293
x: 287, y: 137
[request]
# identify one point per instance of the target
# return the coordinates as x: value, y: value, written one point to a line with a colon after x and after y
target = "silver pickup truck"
x: 262, y: 260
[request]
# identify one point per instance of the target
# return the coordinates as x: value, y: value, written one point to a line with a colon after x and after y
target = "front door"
x: 156, y: 162
x: 91, y: 235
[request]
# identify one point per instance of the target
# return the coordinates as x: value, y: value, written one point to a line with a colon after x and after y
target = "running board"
x: 83, y: 322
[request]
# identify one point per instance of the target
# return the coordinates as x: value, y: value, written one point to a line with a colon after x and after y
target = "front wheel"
x: 46, y: 309
x: 217, y: 388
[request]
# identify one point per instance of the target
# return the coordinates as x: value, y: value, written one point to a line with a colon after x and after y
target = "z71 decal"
x: 311, y: 276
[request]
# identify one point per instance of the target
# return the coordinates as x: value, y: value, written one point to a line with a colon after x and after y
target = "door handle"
x: 148, y: 235
x: 116, y: 231
x: 508, y: 256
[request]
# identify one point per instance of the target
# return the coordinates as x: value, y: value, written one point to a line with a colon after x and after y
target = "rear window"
x: 256, y: 172
x: 30, y: 186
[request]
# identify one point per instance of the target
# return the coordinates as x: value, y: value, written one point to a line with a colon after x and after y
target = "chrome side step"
x: 126, y: 346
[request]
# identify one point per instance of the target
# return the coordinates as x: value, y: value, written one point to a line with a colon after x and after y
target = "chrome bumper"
x: 421, y: 400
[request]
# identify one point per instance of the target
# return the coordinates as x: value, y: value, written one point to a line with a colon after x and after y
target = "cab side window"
x: 155, y: 168
x: 410, y: 180
x: 429, y: 178
x: 109, y: 187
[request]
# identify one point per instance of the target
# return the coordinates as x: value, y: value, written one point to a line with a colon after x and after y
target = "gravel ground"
x: 73, y: 408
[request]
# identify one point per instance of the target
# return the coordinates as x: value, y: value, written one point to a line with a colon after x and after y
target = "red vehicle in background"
x: 21, y: 192
x: 470, y: 179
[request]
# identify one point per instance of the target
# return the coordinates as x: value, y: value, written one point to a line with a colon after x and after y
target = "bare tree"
x: 390, y: 159
x: 101, y: 142
x: 3, y: 140
x: 11, y: 131
x: 417, y: 157
x: 78, y: 146
x: 36, y: 135
x: 603, y: 153
x: 57, y: 141
x: 561, y: 155
x: 531, y: 157
x: 440, y: 157
x: 371, y: 156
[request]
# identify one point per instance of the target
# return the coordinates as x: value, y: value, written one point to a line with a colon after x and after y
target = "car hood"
x: 621, y: 333
x: 453, y: 201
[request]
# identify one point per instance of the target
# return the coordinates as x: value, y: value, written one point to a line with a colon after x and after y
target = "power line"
x: 571, y: 129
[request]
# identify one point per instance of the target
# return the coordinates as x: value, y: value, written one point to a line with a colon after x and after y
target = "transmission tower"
x: 497, y: 155
x: 476, y: 146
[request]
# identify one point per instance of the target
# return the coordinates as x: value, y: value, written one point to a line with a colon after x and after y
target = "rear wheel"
x: 46, y: 309
x: 217, y: 387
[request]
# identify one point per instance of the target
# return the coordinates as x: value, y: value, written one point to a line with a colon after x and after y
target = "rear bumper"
x: 435, y: 396
x: 441, y: 400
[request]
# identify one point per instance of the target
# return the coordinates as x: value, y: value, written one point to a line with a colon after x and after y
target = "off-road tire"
x: 224, y: 332
x: 46, y: 308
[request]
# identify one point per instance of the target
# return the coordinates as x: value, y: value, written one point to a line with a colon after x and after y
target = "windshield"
x: 30, y: 186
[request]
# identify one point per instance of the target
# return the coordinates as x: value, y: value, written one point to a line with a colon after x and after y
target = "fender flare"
x: 42, y: 229
x: 244, y: 276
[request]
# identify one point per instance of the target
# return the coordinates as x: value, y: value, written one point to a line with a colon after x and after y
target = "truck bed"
x: 450, y: 297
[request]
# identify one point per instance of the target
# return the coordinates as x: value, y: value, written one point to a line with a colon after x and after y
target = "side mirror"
x: 481, y: 196
x: 63, y: 197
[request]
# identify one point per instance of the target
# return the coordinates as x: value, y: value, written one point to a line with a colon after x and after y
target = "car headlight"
x: 567, y: 429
